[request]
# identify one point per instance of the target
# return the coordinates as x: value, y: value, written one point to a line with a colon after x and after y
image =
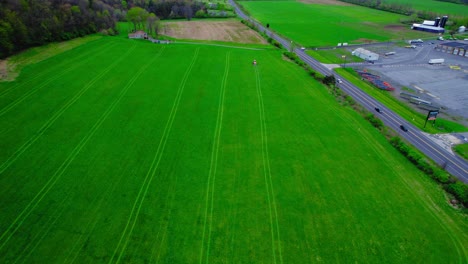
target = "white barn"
x: 365, y: 54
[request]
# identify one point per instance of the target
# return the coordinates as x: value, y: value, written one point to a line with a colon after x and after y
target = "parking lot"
x: 444, y: 85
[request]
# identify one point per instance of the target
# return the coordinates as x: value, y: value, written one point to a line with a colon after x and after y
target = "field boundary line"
x: 214, y: 164
x: 35, y: 89
x: 134, y: 213
x: 49, y: 71
x: 17, y: 223
x: 59, y: 113
x: 217, y: 45
x: 267, y: 171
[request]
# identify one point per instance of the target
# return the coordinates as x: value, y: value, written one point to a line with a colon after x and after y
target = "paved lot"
x: 444, y: 85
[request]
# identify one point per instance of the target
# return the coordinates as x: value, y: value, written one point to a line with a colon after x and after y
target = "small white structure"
x: 140, y: 34
x: 461, y: 29
x: 365, y: 54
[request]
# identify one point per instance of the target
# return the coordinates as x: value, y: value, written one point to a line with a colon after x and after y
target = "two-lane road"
x: 453, y: 164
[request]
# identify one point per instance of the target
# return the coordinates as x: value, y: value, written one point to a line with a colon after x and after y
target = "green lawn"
x: 328, y: 25
x: 132, y: 152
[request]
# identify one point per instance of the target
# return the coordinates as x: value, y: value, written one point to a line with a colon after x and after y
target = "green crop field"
x: 132, y: 152
x: 439, y: 7
x: 325, y: 25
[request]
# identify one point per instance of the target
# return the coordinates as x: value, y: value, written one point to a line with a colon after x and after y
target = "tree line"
x: 25, y: 24
x: 465, y: 2
x: 407, y: 9
x: 28, y: 23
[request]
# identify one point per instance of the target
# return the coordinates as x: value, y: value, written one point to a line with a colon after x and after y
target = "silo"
x: 443, y: 21
x: 437, y: 21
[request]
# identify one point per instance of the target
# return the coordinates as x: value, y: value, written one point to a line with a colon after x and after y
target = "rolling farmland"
x: 325, y: 25
x: 127, y: 151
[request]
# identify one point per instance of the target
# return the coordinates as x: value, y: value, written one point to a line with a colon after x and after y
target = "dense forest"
x: 28, y: 23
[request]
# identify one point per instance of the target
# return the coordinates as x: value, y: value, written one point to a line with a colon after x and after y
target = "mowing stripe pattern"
x: 59, y: 113
x: 55, y: 77
x: 133, y: 217
x: 17, y: 223
x: 274, y: 226
x: 209, y: 201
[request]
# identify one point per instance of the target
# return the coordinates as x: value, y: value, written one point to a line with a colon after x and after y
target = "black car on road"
x: 403, y: 128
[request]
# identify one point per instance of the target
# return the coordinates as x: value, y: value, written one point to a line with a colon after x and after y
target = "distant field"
x: 132, y: 152
x: 439, y: 7
x: 325, y: 25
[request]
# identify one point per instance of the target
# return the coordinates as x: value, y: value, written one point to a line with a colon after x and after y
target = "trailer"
x: 436, y: 61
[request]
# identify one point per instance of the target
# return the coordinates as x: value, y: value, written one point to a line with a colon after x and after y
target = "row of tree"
x: 407, y: 9
x: 27, y: 23
x: 30, y: 23
x: 465, y: 2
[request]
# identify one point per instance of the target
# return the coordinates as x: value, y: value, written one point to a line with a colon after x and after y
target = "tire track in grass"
x: 59, y: 113
x: 49, y: 80
x: 267, y: 173
x: 19, y: 220
x: 209, y: 201
x: 134, y: 213
x: 91, y: 224
x: 48, y: 225
x: 61, y: 66
x: 171, y: 194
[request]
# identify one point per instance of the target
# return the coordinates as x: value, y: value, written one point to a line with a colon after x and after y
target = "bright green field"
x: 325, y: 25
x: 439, y: 7
x: 462, y: 150
x: 127, y: 151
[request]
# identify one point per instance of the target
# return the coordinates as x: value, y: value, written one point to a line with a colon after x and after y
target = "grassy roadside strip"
x: 333, y: 56
x: 268, y: 38
x: 411, y: 116
x: 462, y: 150
x: 457, y: 190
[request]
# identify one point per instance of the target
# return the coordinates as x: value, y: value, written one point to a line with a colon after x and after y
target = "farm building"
x: 365, y: 54
x: 454, y: 47
x: 436, y: 26
x: 432, y: 29
x: 140, y: 34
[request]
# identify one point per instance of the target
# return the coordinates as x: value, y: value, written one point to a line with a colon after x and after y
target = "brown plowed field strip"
x: 227, y: 30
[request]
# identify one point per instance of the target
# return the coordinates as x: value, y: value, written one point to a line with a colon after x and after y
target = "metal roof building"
x: 365, y: 54
x: 432, y: 29
x: 454, y: 47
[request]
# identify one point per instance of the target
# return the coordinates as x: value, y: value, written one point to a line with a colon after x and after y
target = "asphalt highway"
x: 455, y: 165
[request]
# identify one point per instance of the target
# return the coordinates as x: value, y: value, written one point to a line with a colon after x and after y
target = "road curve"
x: 455, y: 165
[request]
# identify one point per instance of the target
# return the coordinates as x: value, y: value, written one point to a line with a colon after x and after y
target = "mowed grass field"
x: 132, y: 152
x: 328, y: 25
